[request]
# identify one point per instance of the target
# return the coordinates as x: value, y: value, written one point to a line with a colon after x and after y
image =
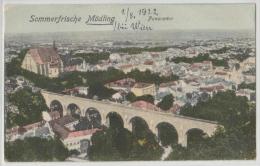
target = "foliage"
x: 220, y: 50
x: 100, y: 90
x: 237, y: 140
x: 251, y: 71
x: 132, y: 98
x: 167, y: 134
x: 138, y: 50
x: 104, y: 146
x: 74, y: 152
x: 93, y: 58
x: 224, y: 107
x: 237, y: 66
x: 201, y: 58
x: 94, y: 79
x: 83, y: 124
x: 244, y: 85
x: 242, y: 55
x: 166, y: 102
x: 117, y: 143
x: 147, y: 98
x: 35, y: 149
x: 115, y: 121
x: 149, y: 77
x: 30, y: 106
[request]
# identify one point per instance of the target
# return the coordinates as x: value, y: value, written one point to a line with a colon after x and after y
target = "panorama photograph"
x: 129, y: 82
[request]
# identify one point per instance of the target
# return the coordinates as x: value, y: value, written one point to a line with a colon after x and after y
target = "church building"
x: 43, y: 61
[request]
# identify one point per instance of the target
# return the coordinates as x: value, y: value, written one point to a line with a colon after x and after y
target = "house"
x: 140, y: 89
x: 75, y: 64
x: 145, y: 105
x: 30, y: 130
x: 43, y: 61
x: 127, y: 68
x: 42, y: 132
x: 117, y: 96
x: 82, y: 90
x: 114, y: 57
x: 249, y: 94
x: 72, y: 139
x: 175, y: 109
x: 124, y: 84
x: 66, y: 121
x: 48, y: 116
x: 212, y: 89
x: 248, y: 63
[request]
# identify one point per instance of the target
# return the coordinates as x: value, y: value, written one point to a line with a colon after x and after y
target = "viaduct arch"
x: 182, y: 124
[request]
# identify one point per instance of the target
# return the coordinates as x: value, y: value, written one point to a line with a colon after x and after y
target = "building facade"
x: 43, y: 61
x: 140, y: 89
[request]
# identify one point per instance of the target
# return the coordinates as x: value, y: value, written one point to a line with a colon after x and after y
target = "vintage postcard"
x: 129, y: 82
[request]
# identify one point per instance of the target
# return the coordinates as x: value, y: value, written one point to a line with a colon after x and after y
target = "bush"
x: 35, y: 149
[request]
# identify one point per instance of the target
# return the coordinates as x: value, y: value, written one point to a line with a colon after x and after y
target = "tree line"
x: 94, y: 79
x: 200, y: 58
x: 235, y: 140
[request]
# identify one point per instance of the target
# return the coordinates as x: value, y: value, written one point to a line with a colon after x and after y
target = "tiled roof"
x: 82, y: 133
x: 171, y: 83
x: 60, y: 130
x: 126, y: 66
x: 126, y: 82
x: 54, y: 114
x: 43, y: 55
x: 142, y: 85
x: 221, y: 73
x: 35, y: 55
x: 145, y: 105
x: 64, y: 120
x: 148, y: 62
x: 212, y: 88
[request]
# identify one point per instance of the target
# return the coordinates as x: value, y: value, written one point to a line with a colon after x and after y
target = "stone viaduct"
x: 182, y: 124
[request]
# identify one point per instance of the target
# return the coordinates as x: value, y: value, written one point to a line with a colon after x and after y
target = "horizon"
x: 161, y: 30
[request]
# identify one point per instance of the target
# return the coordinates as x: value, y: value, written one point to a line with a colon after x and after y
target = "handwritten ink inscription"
x: 128, y: 19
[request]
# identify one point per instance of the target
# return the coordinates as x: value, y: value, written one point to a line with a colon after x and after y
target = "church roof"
x: 44, y: 55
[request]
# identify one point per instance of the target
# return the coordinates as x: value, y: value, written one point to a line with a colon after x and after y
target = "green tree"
x: 138, y: 50
x: 201, y: 58
x: 167, y: 134
x: 147, y: 98
x: 103, y: 146
x: 130, y: 97
x: 30, y: 107
x: 166, y: 102
x: 35, y: 149
x: 149, y: 77
x: 244, y: 85
x: 93, y: 58
x: 237, y: 140
x: 100, y: 90
x: 117, y: 143
x: 145, y: 144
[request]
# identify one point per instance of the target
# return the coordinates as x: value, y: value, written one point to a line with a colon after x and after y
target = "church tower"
x: 54, y: 45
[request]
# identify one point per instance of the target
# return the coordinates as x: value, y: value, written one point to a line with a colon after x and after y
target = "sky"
x: 184, y: 17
